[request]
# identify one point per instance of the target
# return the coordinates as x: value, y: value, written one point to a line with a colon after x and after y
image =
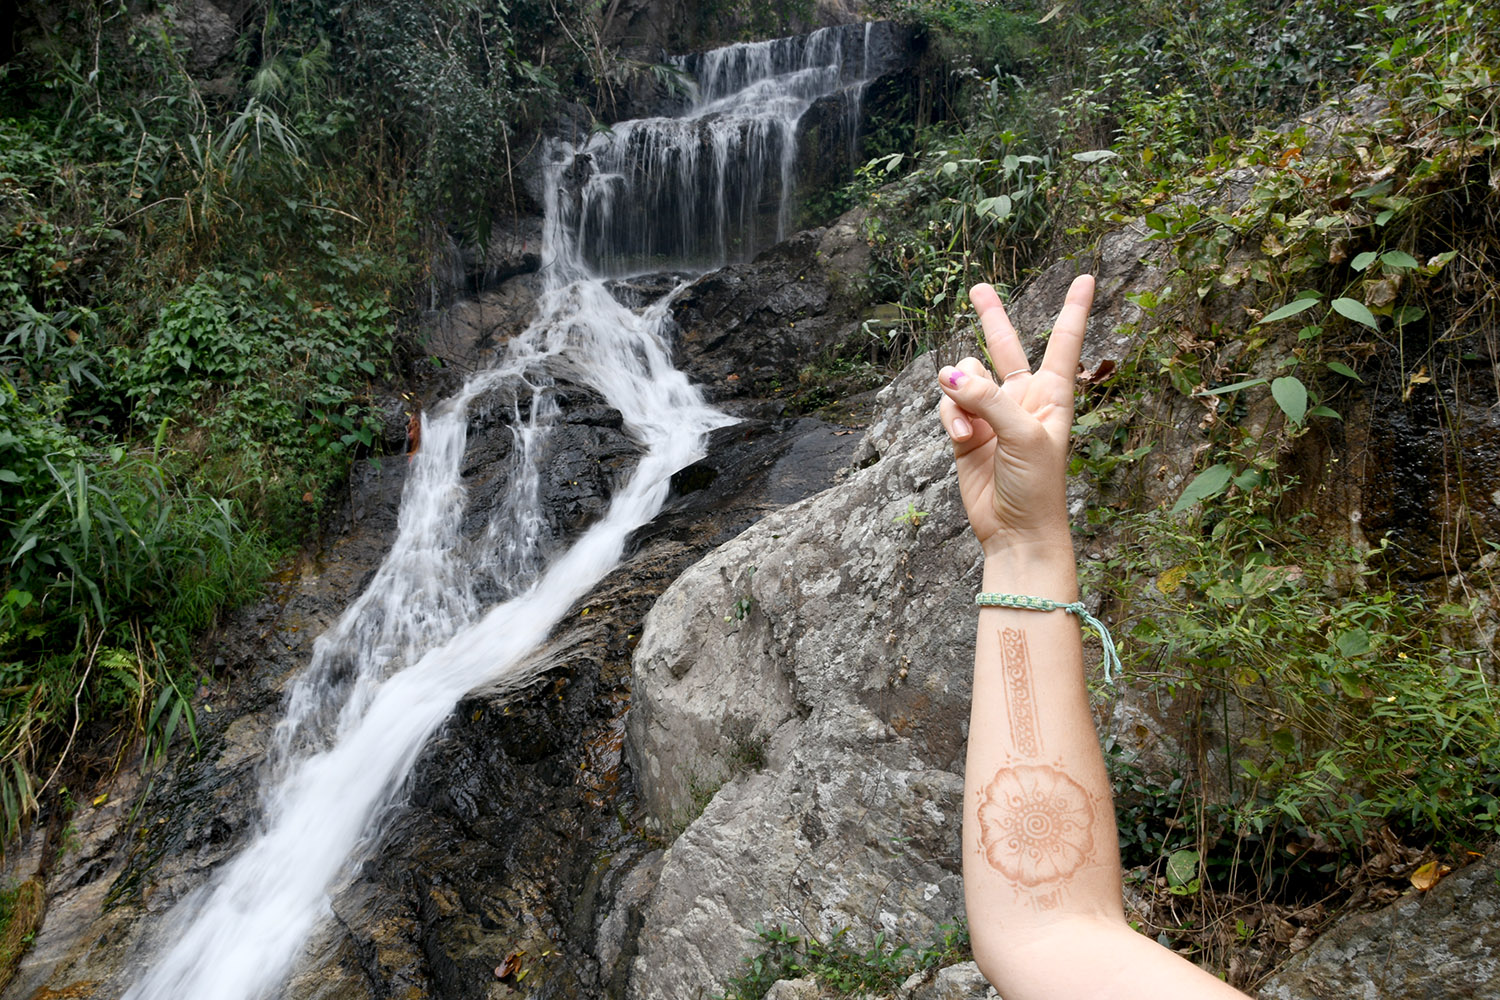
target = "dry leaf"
x: 510, y: 967
x: 1101, y: 371
x: 1428, y: 875
x: 1420, y: 377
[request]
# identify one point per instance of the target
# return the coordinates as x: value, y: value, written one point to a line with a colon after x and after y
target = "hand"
x: 1011, y: 440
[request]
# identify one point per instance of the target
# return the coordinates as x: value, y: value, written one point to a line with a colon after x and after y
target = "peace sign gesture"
x: 1010, y: 439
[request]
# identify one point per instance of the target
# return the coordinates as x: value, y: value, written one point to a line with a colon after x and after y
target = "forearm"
x: 1039, y: 831
x: 1041, y: 851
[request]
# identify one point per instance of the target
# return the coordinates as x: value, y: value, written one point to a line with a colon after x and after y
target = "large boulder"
x: 1437, y: 945
x: 799, y: 707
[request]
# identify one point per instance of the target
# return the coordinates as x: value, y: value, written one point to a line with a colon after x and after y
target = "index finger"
x: 1000, y: 337
x: 1065, y: 346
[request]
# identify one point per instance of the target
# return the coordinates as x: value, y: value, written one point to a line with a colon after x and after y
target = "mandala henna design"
x: 1019, y: 699
x: 1035, y: 824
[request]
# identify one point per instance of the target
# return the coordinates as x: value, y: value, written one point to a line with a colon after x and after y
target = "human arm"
x: 1040, y: 850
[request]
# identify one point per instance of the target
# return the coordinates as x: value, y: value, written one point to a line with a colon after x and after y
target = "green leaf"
x: 998, y: 206
x: 1095, y: 155
x: 1208, y: 483
x: 1355, y: 310
x: 1292, y: 308
x: 1182, y: 868
x: 1154, y: 220
x: 1325, y: 411
x: 950, y: 168
x: 1235, y: 387
x: 1399, y: 260
x: 1283, y: 742
x: 1374, y: 189
x: 1408, y: 314
x: 1355, y: 642
x: 1384, y: 217
x: 1291, y: 395
x: 1364, y: 260
x: 1344, y: 370
x: 1351, y: 684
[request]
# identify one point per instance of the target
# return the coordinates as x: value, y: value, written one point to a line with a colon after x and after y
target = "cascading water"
x: 390, y: 671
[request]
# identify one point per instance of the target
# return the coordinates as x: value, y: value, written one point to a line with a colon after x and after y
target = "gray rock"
x: 210, y: 28
x: 1437, y: 945
x: 793, y: 989
x: 963, y: 981
x: 838, y: 674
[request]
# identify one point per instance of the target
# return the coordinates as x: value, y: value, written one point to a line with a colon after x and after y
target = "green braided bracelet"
x: 1025, y: 603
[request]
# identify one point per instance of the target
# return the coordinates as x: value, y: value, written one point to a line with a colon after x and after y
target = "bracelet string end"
x: 1027, y: 603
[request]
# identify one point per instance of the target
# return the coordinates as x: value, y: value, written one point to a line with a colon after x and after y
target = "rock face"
x: 743, y: 327
x: 1437, y: 945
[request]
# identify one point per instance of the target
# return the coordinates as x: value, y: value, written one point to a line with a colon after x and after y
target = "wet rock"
x: 743, y: 328
x: 511, y: 844
x: 467, y: 336
x: 1441, y: 944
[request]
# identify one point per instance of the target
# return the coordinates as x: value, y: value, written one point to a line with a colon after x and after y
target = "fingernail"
x: 954, y: 378
x: 961, y: 428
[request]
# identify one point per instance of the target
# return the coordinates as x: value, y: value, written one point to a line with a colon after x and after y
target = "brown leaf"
x: 1103, y: 370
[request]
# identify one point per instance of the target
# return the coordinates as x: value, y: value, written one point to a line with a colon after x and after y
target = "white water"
x: 391, y: 670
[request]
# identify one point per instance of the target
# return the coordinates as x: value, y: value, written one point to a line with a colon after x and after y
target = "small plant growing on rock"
x: 912, y: 517
x: 740, y: 609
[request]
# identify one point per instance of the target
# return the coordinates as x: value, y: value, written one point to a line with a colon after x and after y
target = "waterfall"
x: 388, y: 673
x: 714, y: 185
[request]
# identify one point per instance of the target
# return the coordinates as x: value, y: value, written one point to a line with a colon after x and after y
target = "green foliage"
x: 1336, y: 711
x: 840, y: 967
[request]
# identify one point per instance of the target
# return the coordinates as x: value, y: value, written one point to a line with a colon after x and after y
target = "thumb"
x: 973, y: 391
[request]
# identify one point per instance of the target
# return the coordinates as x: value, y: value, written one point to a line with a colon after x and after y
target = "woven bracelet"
x: 1106, y: 641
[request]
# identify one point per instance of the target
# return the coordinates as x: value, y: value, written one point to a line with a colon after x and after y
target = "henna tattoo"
x: 1020, y: 698
x: 1035, y: 824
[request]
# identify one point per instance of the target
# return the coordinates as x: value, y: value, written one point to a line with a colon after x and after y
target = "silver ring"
x: 1018, y: 371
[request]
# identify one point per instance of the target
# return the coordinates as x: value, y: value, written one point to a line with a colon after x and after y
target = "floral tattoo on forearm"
x: 1035, y: 823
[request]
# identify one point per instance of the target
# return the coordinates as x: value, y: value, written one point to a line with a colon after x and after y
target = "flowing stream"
x: 696, y: 190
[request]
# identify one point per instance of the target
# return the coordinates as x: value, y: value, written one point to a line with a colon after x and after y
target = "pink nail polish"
x: 955, y: 377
